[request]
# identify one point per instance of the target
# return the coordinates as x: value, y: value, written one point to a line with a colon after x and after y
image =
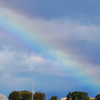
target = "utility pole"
x: 32, y: 90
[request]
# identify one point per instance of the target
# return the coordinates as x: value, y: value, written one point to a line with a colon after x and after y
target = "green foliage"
x: 54, y: 98
x: 15, y: 95
x: 26, y: 95
x: 39, y: 96
x: 69, y: 96
x: 78, y: 96
x: 97, y: 97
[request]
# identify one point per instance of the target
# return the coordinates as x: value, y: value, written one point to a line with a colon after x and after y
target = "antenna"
x: 32, y: 90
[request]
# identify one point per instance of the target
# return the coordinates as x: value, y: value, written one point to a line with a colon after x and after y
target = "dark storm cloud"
x: 85, y: 11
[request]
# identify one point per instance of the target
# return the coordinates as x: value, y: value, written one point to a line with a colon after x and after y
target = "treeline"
x: 77, y: 96
x: 27, y: 95
x: 81, y: 96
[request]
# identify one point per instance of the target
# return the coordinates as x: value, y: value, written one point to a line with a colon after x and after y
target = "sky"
x: 54, y: 44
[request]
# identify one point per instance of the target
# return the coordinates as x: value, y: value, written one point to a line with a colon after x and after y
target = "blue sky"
x: 70, y: 32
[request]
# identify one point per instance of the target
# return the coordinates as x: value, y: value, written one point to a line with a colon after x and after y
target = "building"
x: 2, y: 97
x: 64, y: 98
x: 91, y: 98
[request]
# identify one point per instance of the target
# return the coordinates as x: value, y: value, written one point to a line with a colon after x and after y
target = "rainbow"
x: 26, y: 39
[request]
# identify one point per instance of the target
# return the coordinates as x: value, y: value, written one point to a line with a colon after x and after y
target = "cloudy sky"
x: 53, y: 43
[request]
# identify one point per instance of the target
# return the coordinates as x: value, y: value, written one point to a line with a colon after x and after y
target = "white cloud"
x: 13, y: 61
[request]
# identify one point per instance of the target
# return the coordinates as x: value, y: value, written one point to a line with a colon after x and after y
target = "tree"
x: 39, y: 96
x: 26, y: 95
x: 15, y: 95
x: 97, y: 97
x: 78, y: 96
x: 54, y: 98
x: 69, y: 96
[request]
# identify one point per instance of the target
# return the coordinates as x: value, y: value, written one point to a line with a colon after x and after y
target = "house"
x: 65, y: 98
x: 91, y: 98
